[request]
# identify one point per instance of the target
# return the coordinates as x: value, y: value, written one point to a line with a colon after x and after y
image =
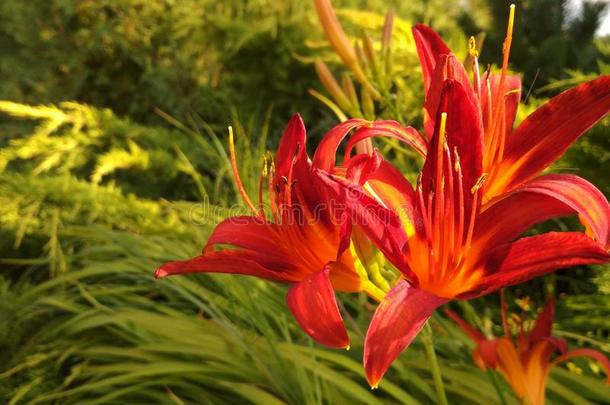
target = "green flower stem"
x: 427, y: 338
x: 494, y: 381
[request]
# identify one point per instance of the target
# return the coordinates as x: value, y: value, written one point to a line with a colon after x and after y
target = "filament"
x: 474, y: 53
x: 238, y: 182
x: 261, y: 183
x: 505, y: 53
x: 270, y: 190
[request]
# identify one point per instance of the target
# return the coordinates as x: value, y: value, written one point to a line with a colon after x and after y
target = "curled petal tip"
x: 160, y: 273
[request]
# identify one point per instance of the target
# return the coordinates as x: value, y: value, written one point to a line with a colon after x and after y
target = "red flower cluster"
x: 454, y: 235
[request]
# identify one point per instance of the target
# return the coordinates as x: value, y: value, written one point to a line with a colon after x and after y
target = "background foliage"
x: 113, y: 159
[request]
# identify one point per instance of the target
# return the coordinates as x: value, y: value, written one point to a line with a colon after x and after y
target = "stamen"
x: 261, y: 182
x: 505, y: 53
x: 289, y: 183
x: 450, y: 208
x: 272, y: 196
x: 473, y: 210
x: 502, y: 141
x: 472, y: 47
x: 439, y: 149
x: 448, y: 216
x: 438, y: 186
x: 489, y: 138
x: 474, y: 54
x: 479, y: 183
x: 475, y: 201
x: 456, y: 157
x: 238, y: 182
x: 460, y: 231
x: 423, y: 210
x: 429, y: 210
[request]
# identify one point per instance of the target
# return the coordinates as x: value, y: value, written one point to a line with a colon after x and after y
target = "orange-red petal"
x: 245, y: 232
x: 313, y: 304
x: 381, y: 224
x: 541, y: 199
x: 447, y: 68
x: 581, y: 196
x: 505, y: 220
x: 389, y: 129
x: 548, y: 132
x: 325, y: 155
x: 397, y: 320
x: 227, y: 262
x: 534, y: 256
x: 292, y: 144
x: 463, y: 135
x: 430, y: 47
x: 544, y: 323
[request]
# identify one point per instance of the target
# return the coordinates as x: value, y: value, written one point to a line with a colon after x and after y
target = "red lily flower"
x: 448, y: 247
x: 457, y: 239
x: 510, y: 157
x: 525, y: 364
x: 307, y: 241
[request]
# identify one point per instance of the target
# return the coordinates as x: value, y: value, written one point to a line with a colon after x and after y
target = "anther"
x: 456, y: 165
x: 265, y: 172
x: 479, y: 183
x: 472, y: 47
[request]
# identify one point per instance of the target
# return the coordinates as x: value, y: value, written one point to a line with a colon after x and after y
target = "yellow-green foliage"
x: 96, y: 145
x: 92, y: 200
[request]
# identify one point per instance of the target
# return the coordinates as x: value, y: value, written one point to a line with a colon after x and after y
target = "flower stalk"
x: 428, y: 341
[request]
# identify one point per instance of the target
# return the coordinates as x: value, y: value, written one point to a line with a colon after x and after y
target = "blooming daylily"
x: 306, y: 242
x: 447, y: 246
x: 526, y: 362
x: 510, y: 157
x: 457, y: 238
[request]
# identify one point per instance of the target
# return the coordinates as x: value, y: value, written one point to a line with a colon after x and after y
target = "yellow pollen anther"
x: 509, y: 37
x: 472, y: 47
x: 457, y: 165
x: 443, y: 125
x: 265, y: 168
x: 479, y: 183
